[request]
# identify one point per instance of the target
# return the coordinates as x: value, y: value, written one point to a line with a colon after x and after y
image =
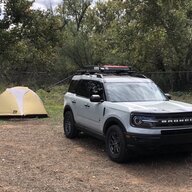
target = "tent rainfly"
x: 21, y: 101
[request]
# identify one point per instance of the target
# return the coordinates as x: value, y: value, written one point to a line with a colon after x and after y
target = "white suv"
x: 125, y: 109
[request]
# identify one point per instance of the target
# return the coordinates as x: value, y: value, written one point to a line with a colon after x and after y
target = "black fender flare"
x: 113, y: 121
x: 67, y: 108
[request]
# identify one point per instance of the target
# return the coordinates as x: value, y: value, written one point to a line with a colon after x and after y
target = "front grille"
x: 174, y: 119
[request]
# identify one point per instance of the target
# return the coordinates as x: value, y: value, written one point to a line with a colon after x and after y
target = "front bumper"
x: 180, y: 137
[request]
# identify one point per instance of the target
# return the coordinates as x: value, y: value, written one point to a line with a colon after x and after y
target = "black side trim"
x: 90, y: 132
x: 104, y: 111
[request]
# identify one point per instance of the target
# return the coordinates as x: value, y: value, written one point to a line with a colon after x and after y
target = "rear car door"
x: 71, y: 98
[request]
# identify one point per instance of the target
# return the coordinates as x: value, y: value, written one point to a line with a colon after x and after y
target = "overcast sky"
x: 38, y: 4
x: 44, y: 4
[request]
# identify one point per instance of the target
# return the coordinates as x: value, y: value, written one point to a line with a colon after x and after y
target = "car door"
x: 95, y: 109
x: 88, y: 113
x: 82, y: 99
x: 71, y: 98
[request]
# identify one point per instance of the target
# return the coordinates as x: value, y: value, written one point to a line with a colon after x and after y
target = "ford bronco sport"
x: 125, y: 109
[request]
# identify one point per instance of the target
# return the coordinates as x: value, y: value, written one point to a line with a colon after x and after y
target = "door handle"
x: 74, y: 101
x: 86, y: 105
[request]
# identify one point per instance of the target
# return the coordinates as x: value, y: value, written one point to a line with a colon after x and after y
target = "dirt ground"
x: 35, y: 157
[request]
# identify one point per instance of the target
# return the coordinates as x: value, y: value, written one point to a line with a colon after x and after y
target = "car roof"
x: 126, y: 79
x: 113, y: 78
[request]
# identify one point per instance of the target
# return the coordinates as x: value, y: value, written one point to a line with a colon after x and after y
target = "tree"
x: 76, y: 10
x: 29, y: 41
x: 162, y: 33
x: 76, y: 47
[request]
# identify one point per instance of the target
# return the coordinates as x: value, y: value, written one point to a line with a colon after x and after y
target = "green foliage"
x: 29, y: 43
x: 162, y: 34
x: 182, y: 96
x: 151, y: 35
x: 75, y: 10
x: 17, y: 11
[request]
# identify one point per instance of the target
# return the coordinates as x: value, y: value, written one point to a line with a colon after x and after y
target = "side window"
x: 96, y: 88
x: 83, y: 89
x: 73, y: 86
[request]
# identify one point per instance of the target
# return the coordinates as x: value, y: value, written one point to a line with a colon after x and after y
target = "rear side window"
x: 73, y: 86
x: 83, y: 89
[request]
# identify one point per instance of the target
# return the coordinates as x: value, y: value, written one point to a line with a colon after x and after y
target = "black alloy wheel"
x: 114, y: 143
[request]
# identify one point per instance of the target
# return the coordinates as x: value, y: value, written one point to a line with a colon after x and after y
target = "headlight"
x: 143, y: 121
x: 137, y: 120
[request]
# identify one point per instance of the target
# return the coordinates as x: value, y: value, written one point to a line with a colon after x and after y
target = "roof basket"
x: 108, y: 70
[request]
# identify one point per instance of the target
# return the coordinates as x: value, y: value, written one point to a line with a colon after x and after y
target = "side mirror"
x: 95, y: 98
x: 168, y: 95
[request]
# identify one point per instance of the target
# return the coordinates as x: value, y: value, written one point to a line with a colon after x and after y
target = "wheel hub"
x: 67, y: 126
x: 114, y: 143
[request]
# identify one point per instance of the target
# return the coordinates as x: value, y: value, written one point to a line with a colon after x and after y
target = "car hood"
x: 158, y: 106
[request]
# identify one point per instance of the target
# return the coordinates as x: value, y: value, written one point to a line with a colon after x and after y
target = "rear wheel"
x: 70, y: 130
x: 116, y: 144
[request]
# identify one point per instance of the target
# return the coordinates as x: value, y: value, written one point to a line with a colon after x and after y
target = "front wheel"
x: 70, y: 130
x: 116, y: 144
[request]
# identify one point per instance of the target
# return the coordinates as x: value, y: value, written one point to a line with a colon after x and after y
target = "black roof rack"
x: 99, y: 71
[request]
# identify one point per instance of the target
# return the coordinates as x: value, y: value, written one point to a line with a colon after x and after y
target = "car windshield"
x: 133, y: 92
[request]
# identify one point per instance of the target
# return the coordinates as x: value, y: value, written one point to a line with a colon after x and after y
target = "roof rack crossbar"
x: 100, y: 71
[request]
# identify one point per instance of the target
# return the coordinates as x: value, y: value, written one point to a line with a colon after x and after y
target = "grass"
x: 182, y: 96
x: 53, y: 101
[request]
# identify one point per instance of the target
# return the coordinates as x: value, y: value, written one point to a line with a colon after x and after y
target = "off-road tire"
x: 70, y: 130
x: 116, y: 144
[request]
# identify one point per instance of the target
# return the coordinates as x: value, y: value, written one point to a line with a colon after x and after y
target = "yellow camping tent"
x: 21, y: 101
